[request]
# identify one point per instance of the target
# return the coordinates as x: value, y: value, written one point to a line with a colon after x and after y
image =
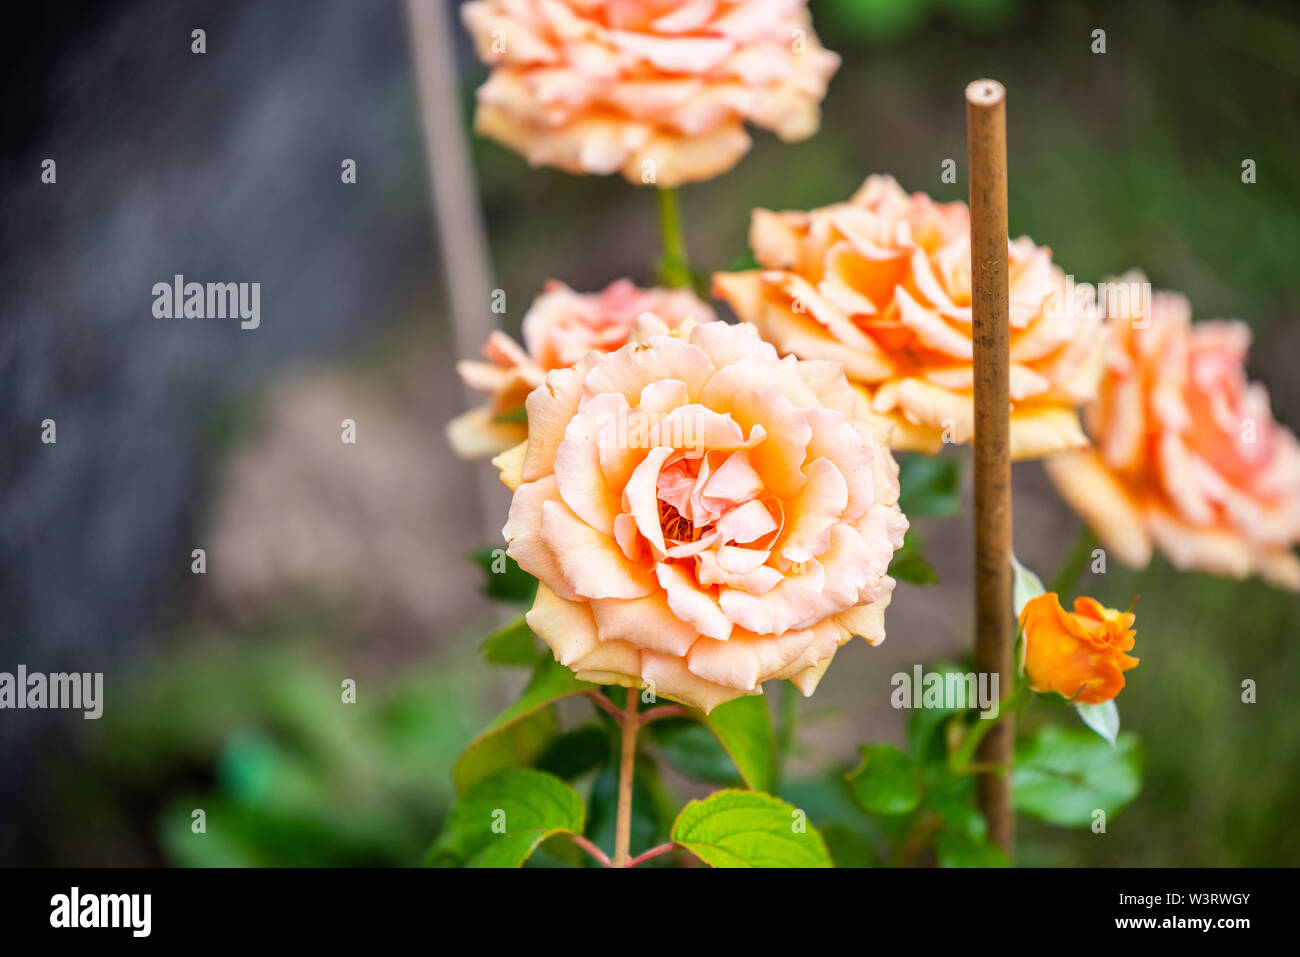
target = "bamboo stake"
x: 458, y: 220
x: 986, y: 132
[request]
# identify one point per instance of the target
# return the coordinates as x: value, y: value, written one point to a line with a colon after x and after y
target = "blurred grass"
x: 255, y: 733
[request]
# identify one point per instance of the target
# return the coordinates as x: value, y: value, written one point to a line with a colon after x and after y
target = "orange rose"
x: 1188, y: 457
x: 658, y: 90
x: 559, y: 328
x: 882, y: 283
x: 701, y: 515
x: 1079, y: 654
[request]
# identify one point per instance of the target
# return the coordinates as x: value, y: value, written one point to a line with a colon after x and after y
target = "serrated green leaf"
x: 1102, y: 718
x: 502, y: 819
x: 1064, y: 776
x: 749, y: 829
x: 887, y: 781
x: 511, y: 644
x: 929, y: 485
x: 513, y: 739
x: 733, y: 744
x: 744, y: 729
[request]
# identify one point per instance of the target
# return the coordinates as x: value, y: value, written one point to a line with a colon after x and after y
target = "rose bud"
x: 1080, y: 655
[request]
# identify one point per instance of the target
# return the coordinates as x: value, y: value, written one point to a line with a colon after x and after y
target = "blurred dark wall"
x: 221, y: 167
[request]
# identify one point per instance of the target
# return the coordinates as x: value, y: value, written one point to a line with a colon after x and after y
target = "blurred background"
x: 328, y: 561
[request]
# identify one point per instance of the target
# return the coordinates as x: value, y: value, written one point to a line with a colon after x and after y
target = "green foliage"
x: 519, y: 733
x: 503, y: 818
x: 749, y: 829
x: 848, y: 848
x: 886, y: 782
x: 1063, y: 775
x: 733, y: 744
x: 652, y: 806
x: 929, y: 485
x: 574, y: 753
x: 917, y: 809
x: 885, y: 21
x: 511, y: 644
x: 694, y: 750
x: 744, y: 729
x: 503, y: 579
x: 909, y: 565
x: 954, y: 849
x: 254, y: 734
x: 929, y: 729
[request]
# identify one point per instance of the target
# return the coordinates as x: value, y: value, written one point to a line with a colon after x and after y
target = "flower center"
x: 674, y: 525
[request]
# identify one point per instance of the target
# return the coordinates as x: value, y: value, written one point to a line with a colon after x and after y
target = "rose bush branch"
x: 657, y: 851
x: 668, y: 711
x: 629, y: 721
x: 626, y: 768
x: 601, y: 857
x: 961, y: 758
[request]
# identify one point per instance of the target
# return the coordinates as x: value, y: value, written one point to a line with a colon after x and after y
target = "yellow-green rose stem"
x: 674, y: 266
x: 629, y: 722
x: 1063, y: 583
x: 960, y: 759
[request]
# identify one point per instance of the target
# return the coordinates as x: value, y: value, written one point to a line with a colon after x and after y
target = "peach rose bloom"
x: 559, y: 328
x: 658, y: 90
x: 882, y: 283
x: 702, y: 516
x: 1080, y: 655
x: 1188, y: 457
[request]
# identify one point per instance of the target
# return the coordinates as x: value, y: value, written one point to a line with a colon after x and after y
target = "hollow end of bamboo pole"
x: 985, y: 92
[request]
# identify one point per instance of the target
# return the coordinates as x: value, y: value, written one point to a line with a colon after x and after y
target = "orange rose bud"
x: 1079, y: 654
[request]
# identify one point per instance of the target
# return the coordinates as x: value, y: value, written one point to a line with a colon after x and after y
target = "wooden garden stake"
x: 986, y: 133
x: 458, y: 218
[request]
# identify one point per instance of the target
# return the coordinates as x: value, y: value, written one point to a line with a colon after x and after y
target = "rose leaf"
x: 749, y: 829
x: 503, y: 818
x: 1064, y: 776
x: 520, y: 732
x: 886, y: 782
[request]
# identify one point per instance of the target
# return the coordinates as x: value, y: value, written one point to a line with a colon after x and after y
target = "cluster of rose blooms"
x: 744, y: 532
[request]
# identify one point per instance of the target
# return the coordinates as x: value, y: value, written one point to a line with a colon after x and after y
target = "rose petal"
x: 590, y: 561
x: 567, y: 627
x: 692, y: 605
